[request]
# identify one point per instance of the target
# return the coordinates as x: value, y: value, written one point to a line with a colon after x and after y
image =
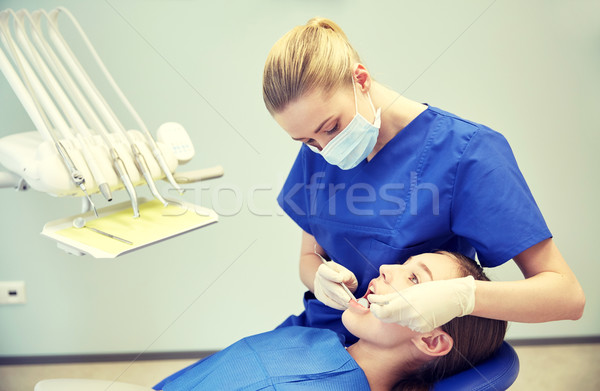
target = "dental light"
x: 81, y: 147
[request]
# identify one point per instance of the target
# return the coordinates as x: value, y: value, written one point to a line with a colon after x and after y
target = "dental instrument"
x: 80, y: 146
x: 97, y: 101
x: 155, y: 150
x: 79, y: 222
x: 76, y: 175
x: 32, y: 84
x: 364, y: 302
x: 84, y: 107
x: 43, y: 60
x: 352, y: 297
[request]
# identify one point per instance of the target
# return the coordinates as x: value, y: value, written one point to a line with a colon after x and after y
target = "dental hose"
x: 93, y: 94
x: 59, y: 96
x: 76, y: 176
x: 155, y: 150
x: 110, y: 116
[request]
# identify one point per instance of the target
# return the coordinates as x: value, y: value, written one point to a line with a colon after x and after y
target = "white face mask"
x: 355, y: 142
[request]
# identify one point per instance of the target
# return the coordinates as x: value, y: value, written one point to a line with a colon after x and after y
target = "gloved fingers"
x: 351, y: 282
x: 347, y: 277
x: 335, y: 272
x: 399, y: 312
x: 383, y: 299
x: 327, y: 273
x: 420, y: 326
x: 332, y: 295
x: 428, y: 305
x: 336, y: 293
x: 383, y: 312
x: 343, y: 271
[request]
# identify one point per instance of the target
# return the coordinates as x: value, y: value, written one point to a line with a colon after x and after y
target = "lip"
x: 353, y: 306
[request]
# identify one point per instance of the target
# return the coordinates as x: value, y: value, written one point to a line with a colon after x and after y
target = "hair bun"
x: 326, y: 24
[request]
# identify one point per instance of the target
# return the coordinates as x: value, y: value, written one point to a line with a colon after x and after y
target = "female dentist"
x: 380, y: 178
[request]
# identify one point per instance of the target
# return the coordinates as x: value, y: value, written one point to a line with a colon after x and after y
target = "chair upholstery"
x: 496, y: 373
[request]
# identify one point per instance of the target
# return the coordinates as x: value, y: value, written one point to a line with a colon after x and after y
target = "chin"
x: 368, y: 328
x: 362, y: 325
x: 352, y: 322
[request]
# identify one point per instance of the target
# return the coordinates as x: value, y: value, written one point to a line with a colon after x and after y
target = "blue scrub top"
x: 442, y: 183
x: 286, y: 359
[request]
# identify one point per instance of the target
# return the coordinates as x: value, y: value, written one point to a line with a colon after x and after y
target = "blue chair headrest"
x: 496, y: 373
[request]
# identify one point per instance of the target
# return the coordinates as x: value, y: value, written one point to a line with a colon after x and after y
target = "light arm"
x: 309, y: 262
x: 550, y: 290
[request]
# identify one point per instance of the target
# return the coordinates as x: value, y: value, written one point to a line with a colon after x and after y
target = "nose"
x: 386, y: 272
x: 321, y: 142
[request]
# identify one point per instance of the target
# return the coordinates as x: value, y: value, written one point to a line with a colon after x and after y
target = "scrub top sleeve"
x: 293, y: 196
x: 492, y: 205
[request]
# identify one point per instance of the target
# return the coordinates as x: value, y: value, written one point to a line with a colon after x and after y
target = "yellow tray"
x: 156, y: 223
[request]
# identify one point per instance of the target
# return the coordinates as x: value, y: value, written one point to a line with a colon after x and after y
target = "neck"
x: 396, y: 112
x: 383, y: 367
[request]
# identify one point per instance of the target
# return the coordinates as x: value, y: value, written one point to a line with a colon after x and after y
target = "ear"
x: 436, y: 343
x: 362, y: 77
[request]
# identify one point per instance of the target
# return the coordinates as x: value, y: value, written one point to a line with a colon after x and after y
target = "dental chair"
x: 497, y: 373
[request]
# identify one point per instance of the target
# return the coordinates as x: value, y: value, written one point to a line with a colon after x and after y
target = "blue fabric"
x: 286, y: 359
x: 441, y: 183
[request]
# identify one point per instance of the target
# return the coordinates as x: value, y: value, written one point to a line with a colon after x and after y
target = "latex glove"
x: 426, y: 306
x: 327, y: 285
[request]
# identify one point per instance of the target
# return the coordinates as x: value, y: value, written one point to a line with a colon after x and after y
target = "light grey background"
x: 526, y: 69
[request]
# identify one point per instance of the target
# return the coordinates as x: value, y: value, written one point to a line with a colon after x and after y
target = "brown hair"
x: 314, y: 55
x: 475, y: 339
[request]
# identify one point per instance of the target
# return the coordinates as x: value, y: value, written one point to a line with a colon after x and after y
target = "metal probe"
x: 80, y: 223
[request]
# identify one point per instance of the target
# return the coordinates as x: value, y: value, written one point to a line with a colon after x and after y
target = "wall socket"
x: 12, y: 292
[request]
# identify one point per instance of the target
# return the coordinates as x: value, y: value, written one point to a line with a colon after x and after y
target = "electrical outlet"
x: 12, y: 292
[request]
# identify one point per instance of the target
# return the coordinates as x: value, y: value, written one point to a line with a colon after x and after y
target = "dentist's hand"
x: 426, y: 306
x: 327, y: 285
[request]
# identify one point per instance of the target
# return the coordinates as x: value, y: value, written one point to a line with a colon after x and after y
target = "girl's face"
x: 419, y: 269
x: 317, y: 117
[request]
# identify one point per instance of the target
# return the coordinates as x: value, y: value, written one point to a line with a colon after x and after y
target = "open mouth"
x: 363, y: 301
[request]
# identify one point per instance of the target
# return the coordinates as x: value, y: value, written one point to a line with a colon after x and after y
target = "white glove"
x: 428, y: 305
x: 327, y: 285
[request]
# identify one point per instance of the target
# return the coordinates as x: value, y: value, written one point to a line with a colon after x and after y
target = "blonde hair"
x: 315, y: 55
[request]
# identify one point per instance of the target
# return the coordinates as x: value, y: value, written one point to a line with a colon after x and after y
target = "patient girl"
x: 387, y: 356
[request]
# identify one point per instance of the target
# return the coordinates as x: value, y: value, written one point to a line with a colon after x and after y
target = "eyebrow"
x: 316, y: 131
x: 422, y: 266
x: 426, y: 269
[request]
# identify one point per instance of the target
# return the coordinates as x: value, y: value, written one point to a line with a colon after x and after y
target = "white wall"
x: 527, y: 69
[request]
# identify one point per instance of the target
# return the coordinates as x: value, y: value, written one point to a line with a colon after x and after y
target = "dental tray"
x: 156, y: 223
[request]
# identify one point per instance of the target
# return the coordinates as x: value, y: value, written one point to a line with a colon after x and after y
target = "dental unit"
x: 81, y: 147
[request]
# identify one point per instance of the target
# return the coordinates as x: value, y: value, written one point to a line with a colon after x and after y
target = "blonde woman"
x: 380, y: 178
